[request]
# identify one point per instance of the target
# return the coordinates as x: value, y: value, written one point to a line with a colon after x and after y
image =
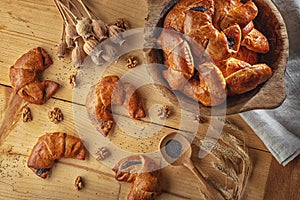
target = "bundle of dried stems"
x: 83, y: 32
x: 229, y: 157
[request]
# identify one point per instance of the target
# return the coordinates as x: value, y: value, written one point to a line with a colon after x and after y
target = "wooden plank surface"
x: 25, y: 24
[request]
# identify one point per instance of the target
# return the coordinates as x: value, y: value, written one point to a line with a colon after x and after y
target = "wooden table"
x: 25, y: 24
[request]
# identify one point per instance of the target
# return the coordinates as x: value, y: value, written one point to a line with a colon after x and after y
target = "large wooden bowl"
x: 269, y: 95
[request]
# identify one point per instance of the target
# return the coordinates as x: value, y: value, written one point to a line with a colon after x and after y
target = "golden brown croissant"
x: 111, y: 91
x: 241, y: 76
x: 218, y: 45
x: 24, y: 77
x: 210, y: 89
x: 175, y: 18
x: 178, y: 58
x: 142, y: 171
x: 241, y: 14
x: 256, y: 41
x: 133, y: 102
x: 246, y: 55
x: 51, y: 147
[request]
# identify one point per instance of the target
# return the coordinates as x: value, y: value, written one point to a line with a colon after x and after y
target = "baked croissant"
x: 111, y: 91
x: 241, y: 76
x: 213, y: 31
x: 24, y: 77
x: 51, y: 147
x: 142, y: 171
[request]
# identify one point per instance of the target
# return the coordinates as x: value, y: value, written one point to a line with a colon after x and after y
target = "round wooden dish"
x: 269, y: 95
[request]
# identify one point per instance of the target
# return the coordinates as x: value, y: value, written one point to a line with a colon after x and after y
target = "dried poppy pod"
x: 100, y: 29
x: 114, y: 34
x: 78, y: 54
x: 109, y: 52
x: 71, y: 32
x: 90, y: 45
x: 84, y: 28
x: 61, y: 49
x: 70, y: 42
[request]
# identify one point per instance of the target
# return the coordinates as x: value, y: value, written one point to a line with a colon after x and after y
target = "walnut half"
x: 55, y: 115
x: 26, y: 114
x: 131, y: 62
x: 78, y: 183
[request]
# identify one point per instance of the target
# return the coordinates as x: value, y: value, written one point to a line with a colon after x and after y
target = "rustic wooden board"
x: 18, y: 143
x: 26, y: 24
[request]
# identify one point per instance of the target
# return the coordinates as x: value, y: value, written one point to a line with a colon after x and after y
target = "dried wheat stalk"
x: 230, y: 158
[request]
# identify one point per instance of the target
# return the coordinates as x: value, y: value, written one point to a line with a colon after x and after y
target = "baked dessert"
x: 142, y: 172
x: 211, y: 49
x: 24, y: 77
x: 51, y: 147
x: 111, y: 91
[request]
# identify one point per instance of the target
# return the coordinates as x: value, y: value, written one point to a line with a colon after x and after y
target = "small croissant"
x: 111, y: 91
x: 51, y: 147
x: 142, y: 172
x: 24, y: 77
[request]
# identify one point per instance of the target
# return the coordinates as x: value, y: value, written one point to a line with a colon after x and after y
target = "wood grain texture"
x: 25, y: 24
x: 283, y: 180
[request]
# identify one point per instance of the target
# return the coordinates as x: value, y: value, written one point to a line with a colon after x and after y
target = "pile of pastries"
x: 211, y: 49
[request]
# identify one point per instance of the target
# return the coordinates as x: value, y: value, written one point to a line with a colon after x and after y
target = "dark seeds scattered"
x: 173, y: 148
x: 199, y: 9
x: 230, y: 43
x: 41, y: 171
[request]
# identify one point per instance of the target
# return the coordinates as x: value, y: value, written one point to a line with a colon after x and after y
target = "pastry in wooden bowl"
x: 224, y: 54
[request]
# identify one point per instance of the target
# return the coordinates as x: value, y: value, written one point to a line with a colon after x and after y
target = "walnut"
x: 55, y: 115
x: 200, y: 119
x: 106, y: 125
x: 72, y: 80
x: 164, y: 112
x: 79, y: 183
x: 131, y: 62
x: 26, y: 114
x: 122, y: 24
x: 102, y: 153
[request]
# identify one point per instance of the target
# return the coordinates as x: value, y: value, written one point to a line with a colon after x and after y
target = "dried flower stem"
x: 68, y: 12
x: 75, y: 7
x: 85, y: 9
x: 61, y: 12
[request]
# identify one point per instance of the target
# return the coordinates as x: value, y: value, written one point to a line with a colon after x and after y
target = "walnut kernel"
x: 55, y: 115
x: 26, y: 114
x: 79, y: 183
x: 131, y: 62
x: 164, y: 112
x: 102, y: 153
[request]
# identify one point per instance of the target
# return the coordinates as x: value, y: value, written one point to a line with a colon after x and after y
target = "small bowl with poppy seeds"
x: 175, y: 148
x: 267, y: 95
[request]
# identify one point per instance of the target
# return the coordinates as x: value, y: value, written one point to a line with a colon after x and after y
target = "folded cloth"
x: 279, y: 128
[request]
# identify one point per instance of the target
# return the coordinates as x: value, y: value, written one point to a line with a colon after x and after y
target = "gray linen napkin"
x: 279, y: 128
